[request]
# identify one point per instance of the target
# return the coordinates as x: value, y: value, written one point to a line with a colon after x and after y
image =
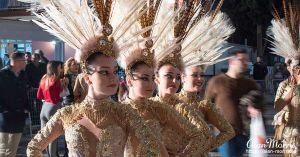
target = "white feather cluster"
x: 75, y: 22
x: 282, y: 42
x: 204, y: 43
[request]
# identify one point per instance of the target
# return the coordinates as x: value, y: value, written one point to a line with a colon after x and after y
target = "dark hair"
x: 161, y: 65
x: 136, y: 65
x: 90, y: 60
x: 17, y: 55
x: 240, y: 51
x: 52, y: 68
x: 36, y: 55
x: 40, y: 52
x: 28, y: 53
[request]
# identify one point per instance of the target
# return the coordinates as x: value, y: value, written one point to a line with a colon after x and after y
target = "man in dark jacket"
x: 35, y: 70
x: 260, y: 71
x: 13, y: 104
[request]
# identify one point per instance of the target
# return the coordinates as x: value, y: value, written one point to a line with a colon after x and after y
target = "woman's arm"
x: 148, y: 144
x: 46, y: 135
x: 198, y: 137
x: 214, y: 117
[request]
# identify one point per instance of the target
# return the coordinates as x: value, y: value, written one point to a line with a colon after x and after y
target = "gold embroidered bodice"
x: 282, y: 90
x: 212, y: 116
x: 291, y: 135
x: 115, y: 122
x: 282, y: 117
x: 159, y: 115
x: 174, y: 141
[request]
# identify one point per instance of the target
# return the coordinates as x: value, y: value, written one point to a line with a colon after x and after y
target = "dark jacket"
x: 70, y: 98
x: 260, y: 71
x: 13, y: 101
x: 35, y: 73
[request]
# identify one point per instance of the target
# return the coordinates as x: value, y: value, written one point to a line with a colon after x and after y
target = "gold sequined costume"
x: 159, y: 116
x: 116, y: 122
x: 281, y: 118
x: 284, y: 34
x: 212, y: 115
x: 94, y: 127
x: 176, y: 142
x: 290, y: 134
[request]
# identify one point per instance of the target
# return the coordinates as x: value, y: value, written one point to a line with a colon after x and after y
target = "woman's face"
x: 104, y: 81
x: 168, y: 79
x: 141, y: 82
x: 74, y: 67
x: 193, y: 79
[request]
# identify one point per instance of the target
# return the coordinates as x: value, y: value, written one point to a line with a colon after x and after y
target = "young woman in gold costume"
x: 285, y: 42
x: 187, y: 33
x: 208, y: 39
x: 139, y: 66
x: 97, y: 126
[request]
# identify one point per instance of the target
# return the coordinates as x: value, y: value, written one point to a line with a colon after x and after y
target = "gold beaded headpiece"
x: 143, y: 51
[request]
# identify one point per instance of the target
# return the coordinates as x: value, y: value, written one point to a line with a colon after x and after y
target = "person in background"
x: 122, y: 91
x: 35, y: 70
x: 13, y: 104
x: 80, y: 88
x: 49, y: 90
x: 43, y: 59
x: 1, y: 63
x: 6, y: 60
x: 28, y: 57
x: 71, y: 68
x: 226, y: 90
x: 260, y: 71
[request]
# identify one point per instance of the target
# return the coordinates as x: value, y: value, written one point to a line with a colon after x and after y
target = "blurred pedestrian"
x: 226, y: 90
x: 13, y: 104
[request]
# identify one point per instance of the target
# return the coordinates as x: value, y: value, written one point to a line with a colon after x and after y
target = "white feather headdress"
x: 144, y: 45
x: 199, y: 33
x: 204, y: 43
x: 89, y: 28
x: 284, y: 33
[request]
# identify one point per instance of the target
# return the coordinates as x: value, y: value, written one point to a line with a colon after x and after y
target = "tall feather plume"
x: 200, y: 31
x: 74, y: 22
x: 84, y: 27
x: 284, y: 33
x: 205, y: 42
x: 147, y: 41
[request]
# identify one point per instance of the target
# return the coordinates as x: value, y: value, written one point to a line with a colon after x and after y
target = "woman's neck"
x: 133, y: 96
x: 94, y: 95
x: 164, y: 95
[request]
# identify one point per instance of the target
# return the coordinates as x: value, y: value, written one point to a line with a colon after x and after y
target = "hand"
x: 289, y: 96
x: 89, y: 125
x: 253, y: 112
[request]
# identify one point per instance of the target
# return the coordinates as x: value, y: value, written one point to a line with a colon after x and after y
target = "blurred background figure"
x: 28, y: 57
x: 122, y: 91
x: 80, y: 88
x: 71, y: 69
x: 35, y: 70
x: 49, y: 90
x: 260, y: 72
x: 226, y: 90
x: 43, y: 59
x: 14, y: 105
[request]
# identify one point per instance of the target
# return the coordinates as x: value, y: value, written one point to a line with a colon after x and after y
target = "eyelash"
x: 104, y: 72
x: 172, y: 77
